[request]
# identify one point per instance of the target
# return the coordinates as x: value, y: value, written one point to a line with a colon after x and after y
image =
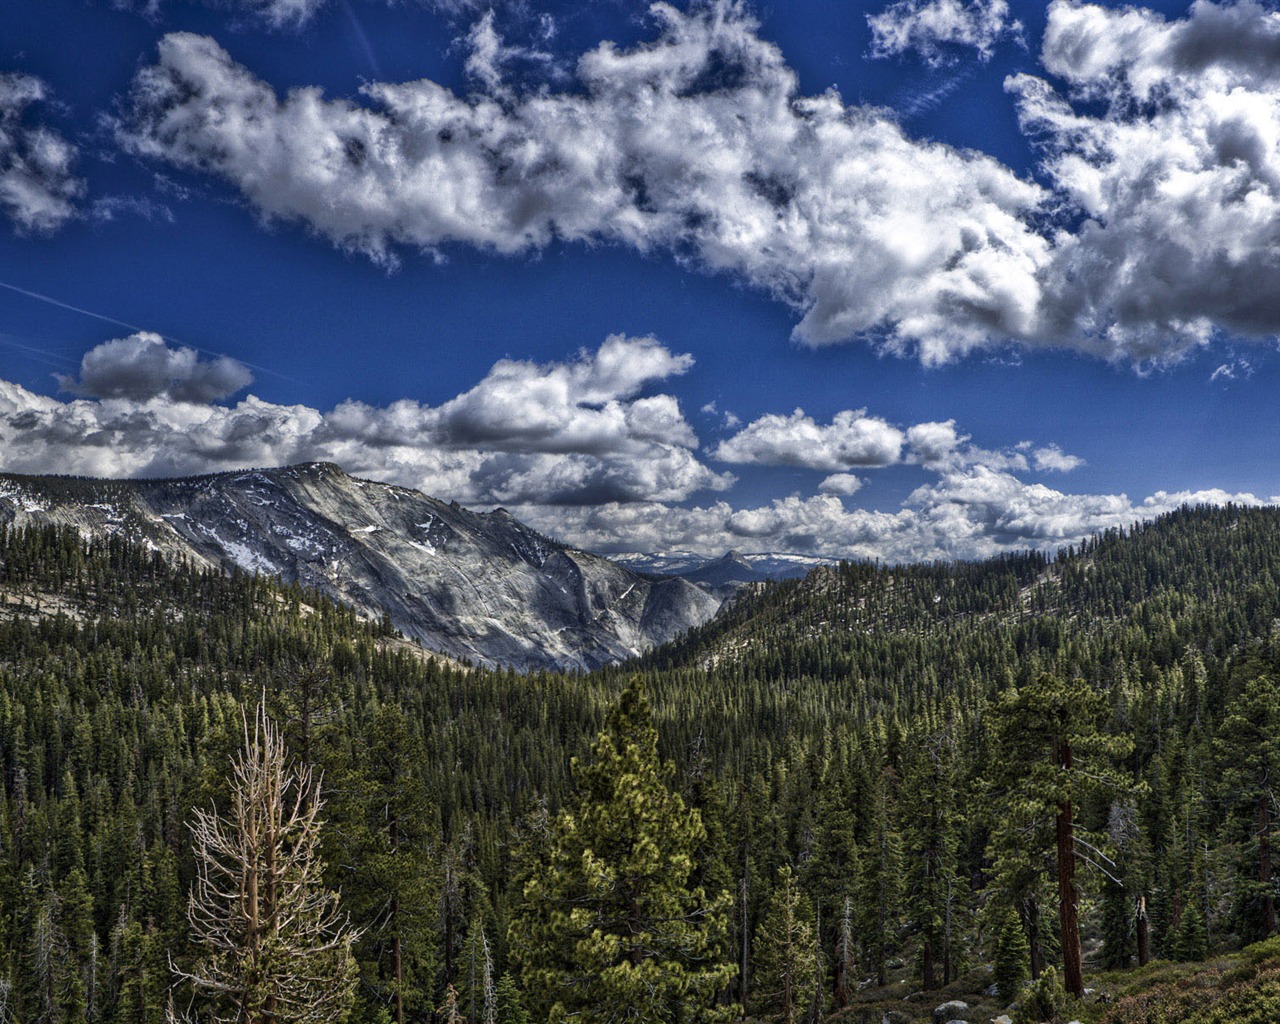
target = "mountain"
x: 1211, y: 573
x: 481, y: 586
x: 733, y: 567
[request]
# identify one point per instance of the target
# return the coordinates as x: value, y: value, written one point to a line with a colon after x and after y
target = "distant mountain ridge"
x: 733, y: 567
x: 471, y: 585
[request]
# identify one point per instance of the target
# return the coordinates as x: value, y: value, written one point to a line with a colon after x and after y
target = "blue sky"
x: 1017, y: 278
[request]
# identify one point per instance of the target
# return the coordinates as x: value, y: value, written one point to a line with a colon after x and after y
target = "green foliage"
x: 787, y: 958
x: 797, y: 722
x: 1043, y: 1000
x: 879, y: 898
x: 1117, y: 926
x: 1190, y: 942
x: 1235, y: 990
x: 1012, y: 957
x: 931, y: 834
x: 609, y: 922
x: 510, y: 1003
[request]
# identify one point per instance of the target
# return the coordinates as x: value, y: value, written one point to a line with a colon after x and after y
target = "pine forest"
x: 1028, y: 789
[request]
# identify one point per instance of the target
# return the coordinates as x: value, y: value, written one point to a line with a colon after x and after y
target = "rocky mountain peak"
x: 471, y: 585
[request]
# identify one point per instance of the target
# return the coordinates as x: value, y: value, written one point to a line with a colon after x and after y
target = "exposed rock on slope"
x: 475, y: 585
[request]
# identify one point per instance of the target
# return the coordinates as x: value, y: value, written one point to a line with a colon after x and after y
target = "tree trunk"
x: 844, y: 961
x: 1144, y: 933
x: 1264, y: 867
x: 946, y: 945
x: 1031, y: 922
x: 1068, y: 912
x: 926, y: 961
x: 743, y: 979
x: 397, y: 960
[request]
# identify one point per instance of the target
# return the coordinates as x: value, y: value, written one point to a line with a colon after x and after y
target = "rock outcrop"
x: 468, y: 584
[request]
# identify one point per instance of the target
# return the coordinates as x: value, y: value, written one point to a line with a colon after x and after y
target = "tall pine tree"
x: 610, y: 922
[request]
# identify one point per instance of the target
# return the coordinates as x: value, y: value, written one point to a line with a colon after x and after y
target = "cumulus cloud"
x: 932, y: 444
x: 698, y: 143
x: 143, y: 366
x: 38, y: 189
x: 843, y: 484
x: 855, y: 439
x: 580, y: 448
x: 1168, y: 144
x: 491, y: 57
x: 1148, y: 233
x: 1052, y: 459
x: 940, y: 30
x: 852, y: 438
x: 971, y: 513
x: 941, y: 447
x: 576, y: 432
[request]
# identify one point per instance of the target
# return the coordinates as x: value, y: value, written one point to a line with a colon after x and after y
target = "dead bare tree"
x: 277, y: 949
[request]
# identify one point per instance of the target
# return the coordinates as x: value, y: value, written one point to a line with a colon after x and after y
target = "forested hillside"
x: 858, y: 791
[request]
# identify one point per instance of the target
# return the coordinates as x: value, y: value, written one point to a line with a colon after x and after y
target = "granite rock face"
x: 471, y: 585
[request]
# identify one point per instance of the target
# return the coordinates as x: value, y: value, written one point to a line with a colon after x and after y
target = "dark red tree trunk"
x: 1068, y: 912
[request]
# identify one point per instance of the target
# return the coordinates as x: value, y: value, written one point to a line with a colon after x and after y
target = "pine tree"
x: 1043, y: 730
x: 609, y: 923
x: 787, y: 960
x: 1249, y: 742
x: 832, y: 874
x: 510, y: 1005
x: 382, y: 848
x: 449, y: 1011
x: 1013, y: 957
x: 930, y: 840
x: 846, y: 956
x: 276, y: 949
x: 879, y: 898
x: 1190, y: 942
x: 1117, y: 926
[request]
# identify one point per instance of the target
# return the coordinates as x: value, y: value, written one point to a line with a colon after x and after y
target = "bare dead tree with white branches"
x: 277, y: 949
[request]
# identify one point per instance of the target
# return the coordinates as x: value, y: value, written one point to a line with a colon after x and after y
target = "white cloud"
x: 970, y: 513
x: 491, y: 57
x: 38, y: 189
x: 1233, y: 369
x: 698, y: 143
x: 940, y: 447
x: 1155, y: 236
x: 938, y: 30
x: 1173, y: 157
x: 1052, y: 459
x: 843, y: 484
x: 573, y: 432
x: 854, y: 439
x: 851, y: 439
x: 578, y: 448
x: 280, y: 14
x: 932, y: 444
x: 142, y: 367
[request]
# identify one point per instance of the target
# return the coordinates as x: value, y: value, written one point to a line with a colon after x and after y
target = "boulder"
x: 949, y: 1011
